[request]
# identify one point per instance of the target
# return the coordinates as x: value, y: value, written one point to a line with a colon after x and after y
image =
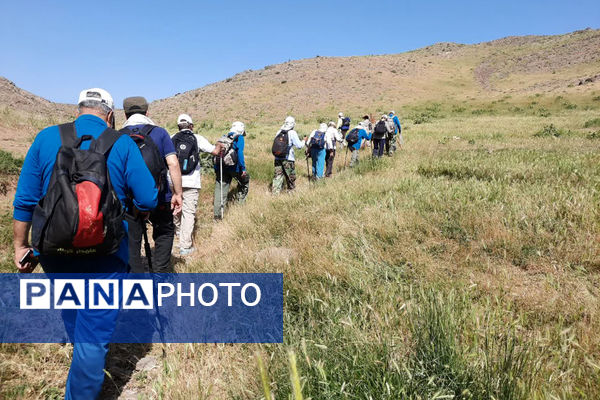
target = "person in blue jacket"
x: 355, y: 148
x: 396, y: 137
x: 129, y: 175
x: 234, y: 167
x: 316, y: 149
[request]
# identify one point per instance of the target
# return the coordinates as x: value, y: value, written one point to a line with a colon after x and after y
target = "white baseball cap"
x: 238, y: 127
x: 97, y: 94
x: 393, y: 112
x: 341, y: 114
x: 184, y: 118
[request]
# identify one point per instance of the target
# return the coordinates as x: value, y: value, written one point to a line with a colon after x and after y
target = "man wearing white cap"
x: 90, y: 330
x: 285, y: 162
x: 233, y: 167
x: 391, y: 142
x: 188, y: 147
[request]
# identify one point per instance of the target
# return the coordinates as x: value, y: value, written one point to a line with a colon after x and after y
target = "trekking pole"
x: 147, y: 247
x: 221, y: 183
x: 345, y: 157
x: 308, y: 174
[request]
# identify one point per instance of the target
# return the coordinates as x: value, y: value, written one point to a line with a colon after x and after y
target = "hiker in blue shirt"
x: 234, y: 167
x: 169, y: 204
x: 316, y: 148
x: 391, y: 142
x: 355, y: 147
x: 129, y: 176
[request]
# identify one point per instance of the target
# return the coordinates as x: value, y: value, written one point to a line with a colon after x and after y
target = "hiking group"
x: 321, y: 145
x: 87, y: 193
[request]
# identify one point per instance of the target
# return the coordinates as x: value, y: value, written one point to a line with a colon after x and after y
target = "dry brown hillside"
x: 22, y: 114
x: 444, y: 71
x: 322, y: 86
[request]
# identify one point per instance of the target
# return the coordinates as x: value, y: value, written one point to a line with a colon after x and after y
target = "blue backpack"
x: 318, y: 141
x: 345, y: 124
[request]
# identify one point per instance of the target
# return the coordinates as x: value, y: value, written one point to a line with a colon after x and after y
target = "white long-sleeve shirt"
x: 193, y: 179
x: 293, y: 142
x: 332, y: 135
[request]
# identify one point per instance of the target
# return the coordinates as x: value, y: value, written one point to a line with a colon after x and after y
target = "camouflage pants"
x: 390, y: 145
x: 284, y: 171
x: 354, y: 158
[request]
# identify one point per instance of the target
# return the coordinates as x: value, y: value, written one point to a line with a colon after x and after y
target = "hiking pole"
x: 345, y: 157
x: 308, y: 174
x: 221, y: 183
x: 147, y: 247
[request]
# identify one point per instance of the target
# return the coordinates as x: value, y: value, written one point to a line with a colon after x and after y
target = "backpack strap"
x: 146, y: 129
x: 68, y: 136
x: 106, y: 140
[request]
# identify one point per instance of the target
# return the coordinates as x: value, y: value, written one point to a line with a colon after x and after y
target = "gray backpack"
x: 230, y: 157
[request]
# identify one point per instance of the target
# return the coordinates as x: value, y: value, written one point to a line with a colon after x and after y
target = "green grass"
x: 9, y: 165
x: 592, y: 123
x: 464, y: 267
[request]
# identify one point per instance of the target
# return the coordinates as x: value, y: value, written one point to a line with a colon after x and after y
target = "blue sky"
x: 159, y: 48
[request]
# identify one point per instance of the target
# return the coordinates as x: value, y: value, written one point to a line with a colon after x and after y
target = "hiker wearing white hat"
x: 231, y: 165
x: 286, y: 139
x: 391, y: 142
x: 332, y: 136
x: 188, y: 146
x: 343, y: 123
x: 76, y: 213
x: 316, y: 148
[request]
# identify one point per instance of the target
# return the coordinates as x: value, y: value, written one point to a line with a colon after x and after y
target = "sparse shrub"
x: 597, y: 98
x: 551, y: 131
x: 483, y: 111
x: 569, y: 106
x: 432, y: 111
x: 458, y: 109
x: 594, y: 135
x: 9, y: 165
x: 592, y: 123
x: 543, y: 112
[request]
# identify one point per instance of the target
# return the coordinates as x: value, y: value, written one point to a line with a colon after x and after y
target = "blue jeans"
x: 318, y: 162
x: 89, y: 330
x: 378, y: 145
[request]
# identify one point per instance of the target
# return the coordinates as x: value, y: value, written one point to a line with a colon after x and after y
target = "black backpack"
x: 281, y: 145
x: 187, y: 151
x: 380, y: 130
x: 80, y: 214
x: 318, y: 141
x: 352, y: 137
x: 345, y: 123
x: 150, y: 153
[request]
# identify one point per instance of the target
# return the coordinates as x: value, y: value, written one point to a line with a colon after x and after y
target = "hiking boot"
x: 186, y: 252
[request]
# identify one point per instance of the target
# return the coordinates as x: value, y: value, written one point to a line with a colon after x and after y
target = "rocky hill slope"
x: 442, y: 72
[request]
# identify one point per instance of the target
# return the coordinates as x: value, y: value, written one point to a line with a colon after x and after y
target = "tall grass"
x: 464, y: 268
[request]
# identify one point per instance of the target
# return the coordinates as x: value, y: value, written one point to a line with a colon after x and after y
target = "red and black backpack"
x: 80, y: 214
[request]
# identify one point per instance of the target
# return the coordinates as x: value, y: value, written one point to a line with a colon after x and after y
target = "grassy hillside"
x: 467, y: 266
